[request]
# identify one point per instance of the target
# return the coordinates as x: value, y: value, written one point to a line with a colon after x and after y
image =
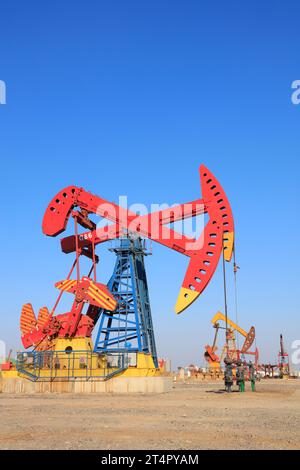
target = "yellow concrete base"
x: 11, y: 374
x: 73, y: 368
x: 74, y: 344
x: 215, y: 367
x: 75, y: 358
x: 118, y: 385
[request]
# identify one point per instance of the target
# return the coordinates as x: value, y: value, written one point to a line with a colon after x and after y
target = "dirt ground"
x: 193, y: 416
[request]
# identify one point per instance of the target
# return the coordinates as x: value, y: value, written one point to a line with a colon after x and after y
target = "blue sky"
x: 129, y: 98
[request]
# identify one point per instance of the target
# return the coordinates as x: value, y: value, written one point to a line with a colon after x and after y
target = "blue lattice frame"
x: 130, y: 327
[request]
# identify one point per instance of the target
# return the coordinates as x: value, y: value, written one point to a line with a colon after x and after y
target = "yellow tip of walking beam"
x: 228, y: 243
x: 185, y: 299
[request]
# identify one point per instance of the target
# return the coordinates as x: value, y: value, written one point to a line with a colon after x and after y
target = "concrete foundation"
x: 118, y: 385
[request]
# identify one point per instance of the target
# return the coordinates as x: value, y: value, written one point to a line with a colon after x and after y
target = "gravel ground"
x: 193, y: 416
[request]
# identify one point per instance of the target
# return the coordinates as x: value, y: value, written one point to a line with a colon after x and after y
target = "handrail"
x: 58, y: 366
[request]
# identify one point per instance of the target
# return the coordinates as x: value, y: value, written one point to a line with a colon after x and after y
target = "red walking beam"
x: 204, y: 252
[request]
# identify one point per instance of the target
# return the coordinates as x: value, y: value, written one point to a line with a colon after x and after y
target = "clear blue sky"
x: 129, y: 97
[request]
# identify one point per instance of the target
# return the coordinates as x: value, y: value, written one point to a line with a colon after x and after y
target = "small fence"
x: 64, y: 366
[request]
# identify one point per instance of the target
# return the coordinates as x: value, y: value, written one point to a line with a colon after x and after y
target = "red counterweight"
x: 40, y: 334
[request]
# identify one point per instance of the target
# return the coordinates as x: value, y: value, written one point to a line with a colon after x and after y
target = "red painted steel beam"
x: 204, y: 253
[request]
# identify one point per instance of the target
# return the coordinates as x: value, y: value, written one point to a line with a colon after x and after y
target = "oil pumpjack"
x: 62, y: 346
x: 230, y: 349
